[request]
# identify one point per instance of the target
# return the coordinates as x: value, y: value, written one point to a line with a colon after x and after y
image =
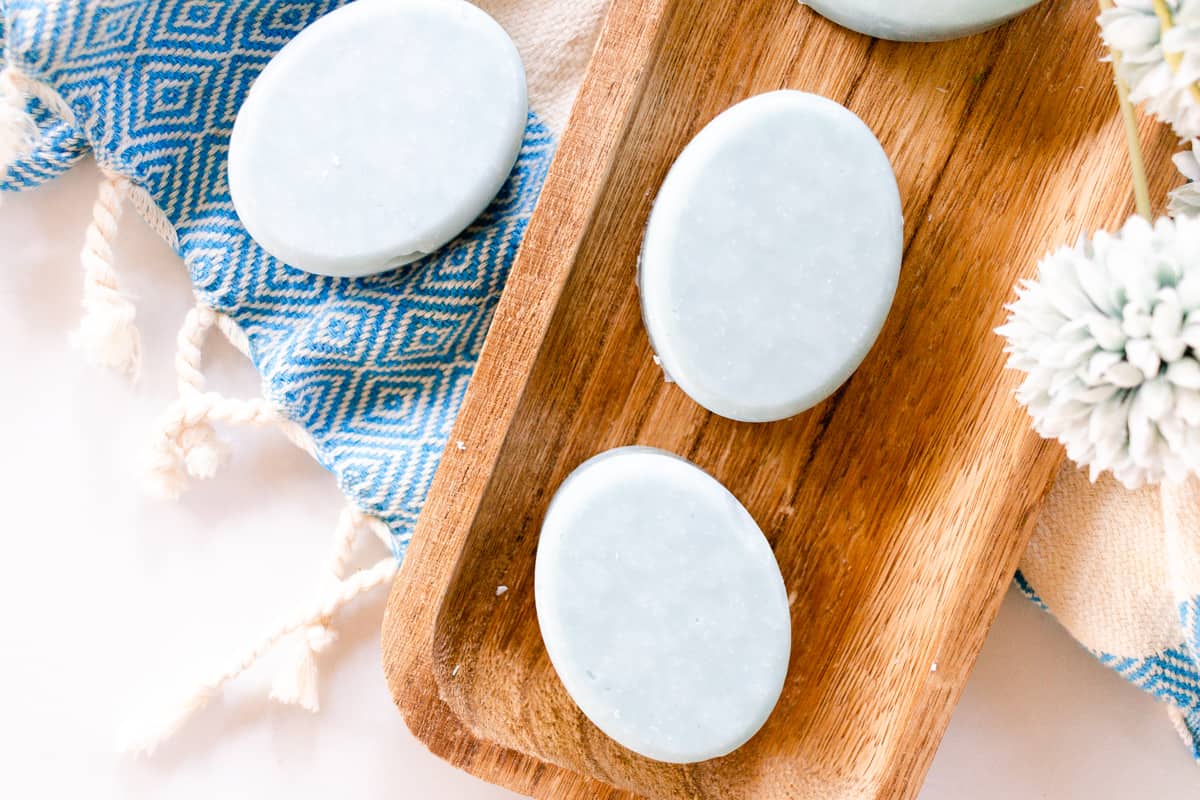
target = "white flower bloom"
x: 1186, y: 199
x: 1109, y: 336
x: 1132, y: 29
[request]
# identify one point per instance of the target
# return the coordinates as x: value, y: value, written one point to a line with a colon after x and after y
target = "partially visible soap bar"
x: 771, y: 256
x: 377, y: 135
x: 661, y: 606
x: 919, y: 20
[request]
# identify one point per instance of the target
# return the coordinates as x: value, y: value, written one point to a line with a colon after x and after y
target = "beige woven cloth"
x: 1120, y: 570
x: 555, y: 39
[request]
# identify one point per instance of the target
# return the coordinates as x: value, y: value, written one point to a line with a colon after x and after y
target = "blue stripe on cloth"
x: 1172, y: 675
x: 1027, y: 590
x: 1192, y: 722
x: 375, y: 368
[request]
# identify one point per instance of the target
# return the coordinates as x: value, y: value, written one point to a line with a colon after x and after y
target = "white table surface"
x: 111, y: 600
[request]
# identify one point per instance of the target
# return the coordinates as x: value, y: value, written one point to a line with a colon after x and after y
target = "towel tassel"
x: 298, y: 683
x: 186, y: 443
x: 107, y: 334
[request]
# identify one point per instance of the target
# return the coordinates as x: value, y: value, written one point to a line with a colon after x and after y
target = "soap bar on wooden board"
x: 919, y: 20
x: 661, y: 605
x: 899, y: 512
x: 771, y: 256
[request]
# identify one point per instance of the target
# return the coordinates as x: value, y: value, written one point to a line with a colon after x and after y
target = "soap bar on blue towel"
x: 377, y: 135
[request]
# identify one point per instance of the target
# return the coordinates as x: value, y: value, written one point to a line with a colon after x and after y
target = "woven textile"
x: 374, y: 368
x: 1124, y: 578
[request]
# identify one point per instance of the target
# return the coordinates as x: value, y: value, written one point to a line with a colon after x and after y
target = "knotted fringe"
x: 17, y: 129
x: 186, y: 443
x: 107, y: 334
x: 297, y: 684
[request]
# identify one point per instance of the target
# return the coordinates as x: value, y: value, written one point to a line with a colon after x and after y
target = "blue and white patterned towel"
x: 374, y: 368
x: 370, y: 372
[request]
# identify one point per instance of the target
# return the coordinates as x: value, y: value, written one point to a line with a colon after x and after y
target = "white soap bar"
x: 662, y: 606
x: 771, y: 256
x: 377, y: 135
x: 919, y: 20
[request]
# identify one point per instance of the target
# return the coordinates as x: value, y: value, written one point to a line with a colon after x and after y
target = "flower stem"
x: 1166, y: 21
x: 1137, y: 164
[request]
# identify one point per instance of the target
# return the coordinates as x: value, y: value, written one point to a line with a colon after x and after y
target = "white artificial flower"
x: 1108, y: 336
x: 1133, y: 30
x: 1186, y: 199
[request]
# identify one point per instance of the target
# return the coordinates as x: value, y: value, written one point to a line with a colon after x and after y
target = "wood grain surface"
x: 897, y: 509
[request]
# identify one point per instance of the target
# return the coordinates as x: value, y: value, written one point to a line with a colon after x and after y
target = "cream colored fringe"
x: 186, y: 442
x: 107, y: 334
x: 297, y: 683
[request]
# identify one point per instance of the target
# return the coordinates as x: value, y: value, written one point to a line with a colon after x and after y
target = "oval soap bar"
x: 919, y: 20
x: 661, y: 605
x: 771, y: 256
x: 377, y: 135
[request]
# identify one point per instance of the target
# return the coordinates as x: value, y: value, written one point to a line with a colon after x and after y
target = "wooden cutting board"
x: 897, y: 509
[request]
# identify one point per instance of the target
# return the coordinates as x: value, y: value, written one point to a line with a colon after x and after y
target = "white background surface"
x: 111, y: 601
